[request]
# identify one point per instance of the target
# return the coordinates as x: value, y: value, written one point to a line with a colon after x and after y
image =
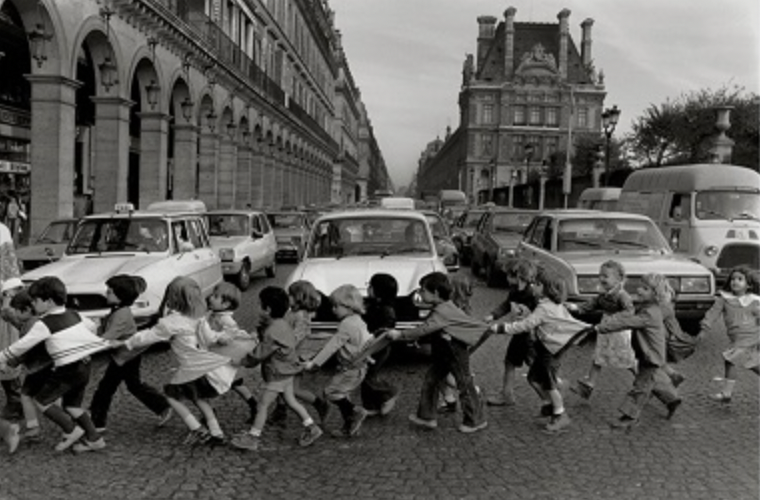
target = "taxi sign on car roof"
x: 124, y: 208
x: 195, y: 206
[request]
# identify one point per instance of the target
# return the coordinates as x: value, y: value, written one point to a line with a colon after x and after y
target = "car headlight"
x: 695, y: 284
x: 589, y: 284
x: 506, y: 253
x: 711, y: 251
x: 227, y: 254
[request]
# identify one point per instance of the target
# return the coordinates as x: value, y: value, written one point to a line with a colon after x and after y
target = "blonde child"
x: 613, y: 350
x: 649, y: 343
x: 201, y: 375
x: 738, y: 309
x: 279, y: 365
x: 348, y: 341
x: 554, y: 327
x: 222, y: 304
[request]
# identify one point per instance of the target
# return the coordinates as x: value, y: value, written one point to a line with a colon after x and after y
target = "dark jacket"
x: 648, y: 337
x: 379, y: 317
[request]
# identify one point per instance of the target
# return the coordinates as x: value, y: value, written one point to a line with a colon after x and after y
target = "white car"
x: 157, y: 244
x: 349, y: 247
x: 245, y: 243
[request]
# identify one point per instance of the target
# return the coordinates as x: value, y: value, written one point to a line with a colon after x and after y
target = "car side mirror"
x: 256, y: 234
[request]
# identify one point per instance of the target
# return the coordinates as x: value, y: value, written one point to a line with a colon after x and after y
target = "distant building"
x: 526, y: 90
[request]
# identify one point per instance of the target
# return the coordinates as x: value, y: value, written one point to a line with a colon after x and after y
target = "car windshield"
x: 57, y: 232
x: 120, y: 235
x: 727, y: 205
x: 286, y: 221
x: 439, y: 229
x: 228, y: 225
x: 610, y: 234
x: 511, y: 222
x: 383, y: 236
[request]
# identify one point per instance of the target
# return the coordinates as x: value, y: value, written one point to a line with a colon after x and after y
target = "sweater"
x: 276, y: 353
x: 348, y: 341
x: 120, y: 325
x: 448, y: 319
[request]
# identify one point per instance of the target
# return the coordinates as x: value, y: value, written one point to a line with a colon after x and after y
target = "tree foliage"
x: 680, y: 131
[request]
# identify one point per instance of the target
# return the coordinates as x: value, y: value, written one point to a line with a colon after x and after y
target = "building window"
x: 518, y: 147
x: 550, y: 146
x: 582, y: 117
x: 487, y: 114
x: 552, y: 117
x: 519, y: 115
x: 535, y: 115
x: 535, y: 141
x: 487, y: 145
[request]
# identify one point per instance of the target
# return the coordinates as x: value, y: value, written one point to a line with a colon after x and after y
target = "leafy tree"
x: 680, y: 131
x: 587, y: 150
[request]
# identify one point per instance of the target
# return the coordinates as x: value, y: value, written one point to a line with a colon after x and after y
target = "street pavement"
x: 708, y: 451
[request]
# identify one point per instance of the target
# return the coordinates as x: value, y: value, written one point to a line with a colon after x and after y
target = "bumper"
x: 231, y: 267
x: 290, y: 253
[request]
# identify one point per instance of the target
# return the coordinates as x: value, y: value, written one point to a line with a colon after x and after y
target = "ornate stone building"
x: 233, y: 102
x: 525, y: 93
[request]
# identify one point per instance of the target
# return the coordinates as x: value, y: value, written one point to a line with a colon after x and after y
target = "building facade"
x: 525, y: 94
x: 229, y: 101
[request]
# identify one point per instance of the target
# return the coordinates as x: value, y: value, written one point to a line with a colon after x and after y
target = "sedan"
x: 495, y: 241
x: 290, y: 230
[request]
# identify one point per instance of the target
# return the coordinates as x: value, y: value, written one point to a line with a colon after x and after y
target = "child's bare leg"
x: 184, y: 413
x: 9, y: 432
x: 30, y: 415
x: 507, y: 395
x: 261, y: 415
x: 211, y: 421
x: 244, y: 392
x: 290, y: 399
x: 557, y: 403
x: 729, y: 382
x: 593, y: 374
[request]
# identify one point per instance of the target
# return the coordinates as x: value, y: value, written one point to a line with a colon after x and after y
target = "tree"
x: 681, y: 131
x: 587, y: 150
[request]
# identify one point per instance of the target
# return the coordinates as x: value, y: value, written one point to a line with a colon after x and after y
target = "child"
x: 461, y: 292
x: 379, y: 395
x: 9, y: 334
x: 738, y: 308
x: 279, y: 364
x: 648, y: 340
x: 222, y: 303
x: 613, y: 350
x: 124, y: 366
x: 452, y: 332
x: 554, y: 326
x: 520, y: 274
x: 348, y: 341
x: 679, y: 345
x: 202, y: 375
x: 69, y: 340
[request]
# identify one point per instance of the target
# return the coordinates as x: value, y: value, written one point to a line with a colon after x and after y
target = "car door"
x: 269, y: 240
x: 256, y: 244
x: 204, y: 262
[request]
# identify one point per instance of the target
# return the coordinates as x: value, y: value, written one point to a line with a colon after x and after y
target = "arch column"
x: 207, y: 168
x: 226, y: 172
x: 279, y: 178
x: 185, y: 161
x: 154, y: 148
x: 257, y: 176
x: 111, y: 151
x: 53, y: 106
x: 243, y: 177
x: 269, y: 176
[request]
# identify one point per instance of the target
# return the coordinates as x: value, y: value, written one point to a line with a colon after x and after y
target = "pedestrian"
x: 451, y: 333
x: 379, y: 395
x: 737, y: 308
x: 124, y: 364
x: 346, y: 344
x: 201, y: 375
x: 222, y: 304
x: 554, y: 326
x: 279, y: 364
x: 9, y: 279
x: 70, y: 341
x: 613, y: 350
x: 518, y: 303
x: 12, y: 215
x: 649, y: 344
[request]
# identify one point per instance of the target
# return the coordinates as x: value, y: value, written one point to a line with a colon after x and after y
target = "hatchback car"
x: 349, y: 247
x: 495, y: 241
x: 245, y: 243
x: 291, y: 230
x: 49, y: 245
x: 462, y: 231
x: 574, y: 243
x: 157, y: 245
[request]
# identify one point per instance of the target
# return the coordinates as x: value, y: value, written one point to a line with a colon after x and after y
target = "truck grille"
x: 739, y: 254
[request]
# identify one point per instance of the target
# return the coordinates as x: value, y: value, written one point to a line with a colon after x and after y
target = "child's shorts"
x: 66, y: 382
x: 279, y: 386
x: 194, y: 390
x: 520, y: 350
x: 544, y: 370
x: 34, y: 382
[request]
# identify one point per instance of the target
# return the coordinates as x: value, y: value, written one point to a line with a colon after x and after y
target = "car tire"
x: 271, y: 271
x: 243, y: 278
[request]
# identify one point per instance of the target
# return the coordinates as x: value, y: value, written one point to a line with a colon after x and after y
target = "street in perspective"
x: 333, y: 249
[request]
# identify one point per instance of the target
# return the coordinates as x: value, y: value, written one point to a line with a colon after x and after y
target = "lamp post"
x: 512, y: 180
x: 543, y: 170
x: 610, y: 118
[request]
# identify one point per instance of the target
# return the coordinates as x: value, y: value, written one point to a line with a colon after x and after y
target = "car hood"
x: 327, y: 275
x: 218, y: 242
x: 41, y: 251
x: 638, y: 264
x: 507, y: 240
x: 81, y: 272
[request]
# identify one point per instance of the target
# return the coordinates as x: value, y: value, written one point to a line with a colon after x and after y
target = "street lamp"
x: 512, y: 181
x: 610, y: 118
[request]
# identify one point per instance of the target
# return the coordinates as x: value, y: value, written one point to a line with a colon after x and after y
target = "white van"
x: 601, y: 198
x: 708, y: 212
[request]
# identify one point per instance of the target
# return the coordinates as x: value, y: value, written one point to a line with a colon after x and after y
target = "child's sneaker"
x: 219, y: 440
x: 469, y: 429
x: 672, y: 407
x: 85, y: 446
x: 32, y: 434
x: 625, y: 422
x: 547, y: 410
x: 583, y: 389
x: 323, y: 408
x: 558, y: 423
x: 164, y: 417
x: 356, y: 420
x: 310, y: 434
x: 429, y: 424
x: 246, y: 441
x: 197, y: 436
x: 12, y: 438
x: 721, y: 397
x: 69, y: 439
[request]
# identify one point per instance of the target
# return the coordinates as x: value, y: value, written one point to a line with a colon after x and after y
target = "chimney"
x: 486, y: 32
x: 509, y: 42
x: 586, y: 42
x: 563, y: 42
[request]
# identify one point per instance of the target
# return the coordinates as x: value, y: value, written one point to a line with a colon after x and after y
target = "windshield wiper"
x: 746, y: 215
x: 631, y: 243
x: 722, y: 216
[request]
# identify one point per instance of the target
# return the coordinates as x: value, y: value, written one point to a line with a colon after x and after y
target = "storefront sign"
x: 14, y: 167
x: 15, y: 118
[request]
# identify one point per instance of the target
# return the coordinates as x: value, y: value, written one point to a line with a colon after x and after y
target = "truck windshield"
x: 727, y: 205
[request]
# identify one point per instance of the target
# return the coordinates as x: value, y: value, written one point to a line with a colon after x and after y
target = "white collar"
x: 743, y: 300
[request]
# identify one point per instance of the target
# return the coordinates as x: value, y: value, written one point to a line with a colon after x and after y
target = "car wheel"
x: 244, y: 276
x: 492, y: 275
x: 271, y: 271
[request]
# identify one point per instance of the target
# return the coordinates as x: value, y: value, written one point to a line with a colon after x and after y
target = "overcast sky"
x: 406, y: 56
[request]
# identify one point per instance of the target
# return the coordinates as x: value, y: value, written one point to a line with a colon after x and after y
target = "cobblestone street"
x: 708, y: 451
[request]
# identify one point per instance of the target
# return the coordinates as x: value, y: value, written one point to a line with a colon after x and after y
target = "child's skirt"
x: 194, y: 390
x: 614, y: 350
x: 744, y: 356
x: 344, y: 382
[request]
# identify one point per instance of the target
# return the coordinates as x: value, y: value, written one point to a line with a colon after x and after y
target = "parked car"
x: 442, y: 237
x: 49, y: 245
x: 291, y: 230
x: 156, y: 244
x: 245, y: 243
x: 349, y: 247
x: 495, y: 241
x: 574, y: 243
x: 462, y: 231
